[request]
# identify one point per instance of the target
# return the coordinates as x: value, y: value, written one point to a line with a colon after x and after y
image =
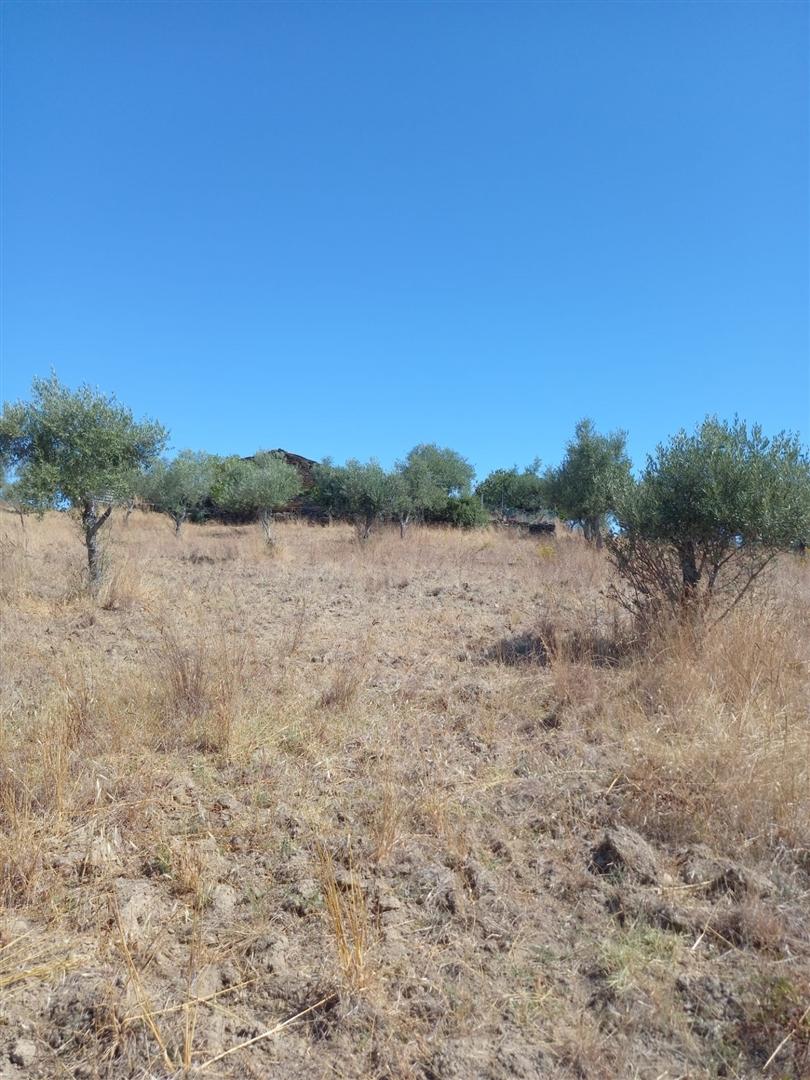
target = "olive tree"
x: 256, y: 487
x: 437, y: 472
x: 429, y: 483
x: 361, y: 491
x: 587, y: 486
x: 365, y: 494
x: 466, y: 512
x: 507, y: 491
x: 327, y: 492
x: 78, y: 449
x: 404, y: 501
x: 420, y: 484
x: 180, y: 487
x: 710, y: 511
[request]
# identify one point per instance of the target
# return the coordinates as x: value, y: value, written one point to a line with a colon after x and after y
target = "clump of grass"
x: 717, y: 730
x: 189, y: 876
x: 123, y: 587
x: 387, y: 821
x: 347, y: 913
x: 635, y: 952
x: 344, y: 686
x: 201, y: 685
x: 79, y: 707
x: 21, y: 844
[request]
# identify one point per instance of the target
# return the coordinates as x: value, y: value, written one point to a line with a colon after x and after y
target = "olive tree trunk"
x: 592, y: 529
x: 266, y: 521
x: 91, y: 523
x: 689, y: 569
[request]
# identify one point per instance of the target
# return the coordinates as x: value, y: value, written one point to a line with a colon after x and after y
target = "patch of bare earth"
x: 402, y: 809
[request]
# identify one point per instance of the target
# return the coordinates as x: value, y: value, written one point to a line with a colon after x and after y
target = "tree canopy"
x: 72, y: 446
x: 508, y: 491
x: 436, y: 472
x: 76, y: 448
x: 180, y: 487
x: 256, y: 486
x: 430, y: 484
x: 359, y: 490
x: 711, y: 510
x: 587, y: 486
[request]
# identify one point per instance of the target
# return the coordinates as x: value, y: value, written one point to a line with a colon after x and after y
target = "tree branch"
x: 100, y: 521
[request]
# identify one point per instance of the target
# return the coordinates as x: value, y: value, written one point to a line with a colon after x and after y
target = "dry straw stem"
x: 193, y: 1002
x: 191, y: 1010
x: 265, y: 1034
x: 348, y: 917
x: 147, y: 1009
x: 19, y: 961
x: 786, y: 1039
x: 387, y: 820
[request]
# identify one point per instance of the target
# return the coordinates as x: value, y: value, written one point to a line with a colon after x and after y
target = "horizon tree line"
x: 707, y: 513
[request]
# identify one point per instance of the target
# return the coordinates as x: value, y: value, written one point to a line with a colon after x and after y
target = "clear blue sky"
x: 347, y: 228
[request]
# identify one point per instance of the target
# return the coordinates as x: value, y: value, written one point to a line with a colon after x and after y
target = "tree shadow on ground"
x: 522, y: 649
x: 548, y: 644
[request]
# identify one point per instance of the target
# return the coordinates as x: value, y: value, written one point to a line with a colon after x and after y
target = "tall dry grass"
x: 455, y: 698
x: 716, y: 732
x: 712, y: 730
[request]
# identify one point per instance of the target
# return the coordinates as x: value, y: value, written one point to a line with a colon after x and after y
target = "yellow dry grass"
x: 328, y: 809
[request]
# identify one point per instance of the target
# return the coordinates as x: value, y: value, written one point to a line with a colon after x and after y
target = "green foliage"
x: 72, y: 447
x: 592, y: 479
x: 327, y: 491
x: 404, y: 499
x: 465, y: 512
x: 507, y: 491
x: 365, y: 489
x: 182, y: 487
x: 362, y: 491
x: 710, y: 511
x: 14, y: 494
x: 255, y: 487
x: 433, y: 472
x: 76, y: 449
x: 425, y: 483
x: 432, y: 483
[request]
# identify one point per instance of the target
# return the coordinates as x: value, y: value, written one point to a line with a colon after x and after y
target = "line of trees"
x: 706, y: 515
x: 433, y: 484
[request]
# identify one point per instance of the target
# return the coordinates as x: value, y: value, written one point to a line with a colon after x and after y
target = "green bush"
x: 709, y: 513
x: 463, y: 511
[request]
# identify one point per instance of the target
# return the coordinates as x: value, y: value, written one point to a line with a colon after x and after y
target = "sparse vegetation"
x: 360, y: 803
x: 342, y: 807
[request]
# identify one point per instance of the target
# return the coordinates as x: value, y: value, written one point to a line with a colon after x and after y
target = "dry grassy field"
x: 417, y: 808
